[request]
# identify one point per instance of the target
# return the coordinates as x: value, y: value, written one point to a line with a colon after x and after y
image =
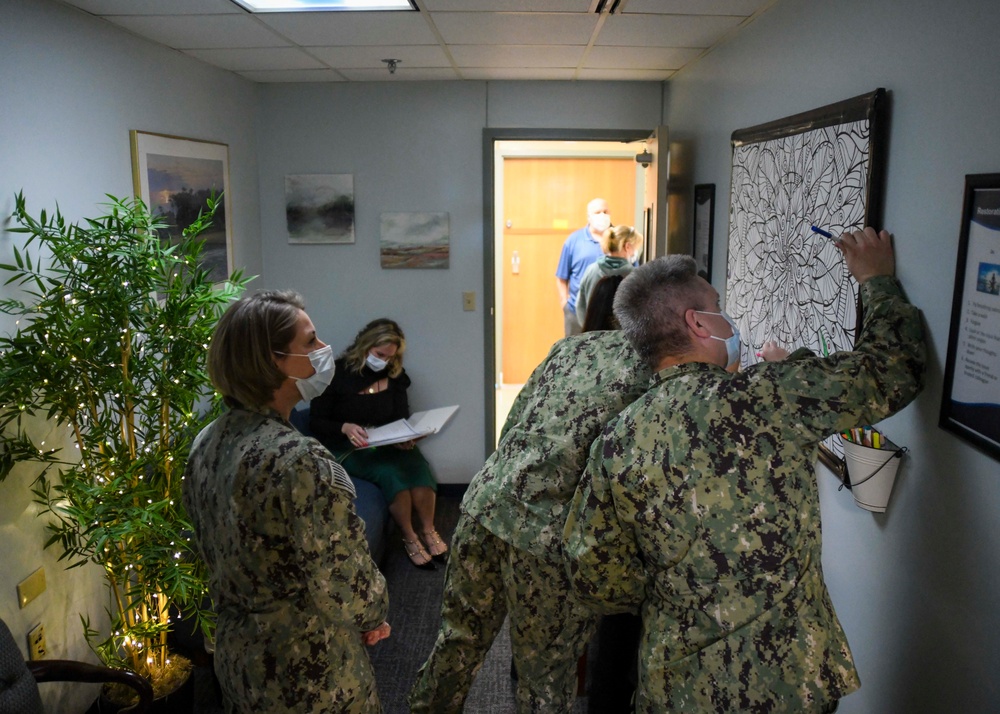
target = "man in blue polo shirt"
x: 581, y: 248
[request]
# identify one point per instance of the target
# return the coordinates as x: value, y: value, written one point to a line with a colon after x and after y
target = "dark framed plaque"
x: 704, y: 227
x: 970, y: 405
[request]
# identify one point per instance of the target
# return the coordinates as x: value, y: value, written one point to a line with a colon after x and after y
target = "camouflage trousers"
x: 486, y: 580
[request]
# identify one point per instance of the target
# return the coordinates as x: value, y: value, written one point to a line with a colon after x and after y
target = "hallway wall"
x: 916, y: 588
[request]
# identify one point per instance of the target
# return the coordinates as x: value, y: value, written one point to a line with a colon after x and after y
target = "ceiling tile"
x: 352, y: 28
x: 742, y: 8
x: 260, y: 58
x: 157, y: 7
x: 514, y: 28
x: 639, y: 57
x: 293, y: 75
x: 665, y: 30
x: 507, y: 5
x: 402, y: 74
x: 517, y: 73
x: 361, y: 57
x: 626, y: 75
x: 486, y: 39
x: 200, y: 31
x: 516, y: 55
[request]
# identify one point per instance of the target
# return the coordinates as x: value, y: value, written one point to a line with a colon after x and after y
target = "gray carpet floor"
x: 414, y: 613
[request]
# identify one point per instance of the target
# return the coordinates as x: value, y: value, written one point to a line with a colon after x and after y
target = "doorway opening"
x: 537, y: 189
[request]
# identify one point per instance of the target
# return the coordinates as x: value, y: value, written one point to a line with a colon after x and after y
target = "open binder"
x: 418, y: 425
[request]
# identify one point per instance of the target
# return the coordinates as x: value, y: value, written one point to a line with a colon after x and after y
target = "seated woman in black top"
x: 369, y: 389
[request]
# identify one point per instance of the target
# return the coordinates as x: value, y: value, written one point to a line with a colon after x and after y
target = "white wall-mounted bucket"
x: 872, y: 472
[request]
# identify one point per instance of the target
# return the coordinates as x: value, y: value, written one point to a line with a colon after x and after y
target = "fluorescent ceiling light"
x: 322, y: 5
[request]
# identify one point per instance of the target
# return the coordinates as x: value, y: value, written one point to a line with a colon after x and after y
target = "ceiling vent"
x: 608, y: 6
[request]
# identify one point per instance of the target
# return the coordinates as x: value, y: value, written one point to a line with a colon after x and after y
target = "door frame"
x: 490, y: 137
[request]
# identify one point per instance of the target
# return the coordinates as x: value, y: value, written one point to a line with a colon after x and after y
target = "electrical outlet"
x: 31, y: 587
x: 36, y: 642
x: 469, y: 301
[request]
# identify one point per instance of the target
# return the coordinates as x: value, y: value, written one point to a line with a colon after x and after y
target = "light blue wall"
x: 917, y: 588
x: 414, y: 147
x: 71, y: 88
x: 914, y: 588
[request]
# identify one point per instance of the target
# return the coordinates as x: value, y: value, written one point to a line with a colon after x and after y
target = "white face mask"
x: 314, y: 385
x: 376, y: 363
x: 732, y: 342
x: 599, y: 222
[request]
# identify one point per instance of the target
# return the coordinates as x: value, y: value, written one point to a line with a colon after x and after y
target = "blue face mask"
x: 732, y: 343
x: 377, y: 364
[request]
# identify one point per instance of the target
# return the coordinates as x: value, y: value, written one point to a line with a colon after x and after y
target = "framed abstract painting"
x: 785, y: 282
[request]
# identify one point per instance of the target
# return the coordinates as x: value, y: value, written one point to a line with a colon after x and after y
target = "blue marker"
x: 823, y: 233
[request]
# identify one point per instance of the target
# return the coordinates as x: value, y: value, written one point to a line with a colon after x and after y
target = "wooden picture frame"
x: 823, y: 167
x: 173, y: 176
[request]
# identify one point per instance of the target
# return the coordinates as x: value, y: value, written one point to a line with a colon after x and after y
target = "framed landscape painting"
x: 174, y: 176
x: 415, y: 240
x: 319, y: 208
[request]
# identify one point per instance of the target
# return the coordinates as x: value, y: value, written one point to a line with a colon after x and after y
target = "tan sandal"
x: 432, y: 540
x: 415, y: 549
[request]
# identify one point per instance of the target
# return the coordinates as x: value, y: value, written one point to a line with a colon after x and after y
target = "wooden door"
x: 545, y: 199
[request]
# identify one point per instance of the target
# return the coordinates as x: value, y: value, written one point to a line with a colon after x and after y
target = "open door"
x: 544, y: 200
x: 655, y: 207
x: 510, y: 306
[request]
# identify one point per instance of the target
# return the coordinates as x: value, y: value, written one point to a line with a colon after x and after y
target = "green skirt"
x: 391, y: 469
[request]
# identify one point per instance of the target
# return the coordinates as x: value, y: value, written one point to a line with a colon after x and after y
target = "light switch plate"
x: 36, y: 642
x: 31, y: 587
x: 469, y: 301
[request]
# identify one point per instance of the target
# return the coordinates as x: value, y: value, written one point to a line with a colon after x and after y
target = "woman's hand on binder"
x: 406, y: 445
x: 355, y: 434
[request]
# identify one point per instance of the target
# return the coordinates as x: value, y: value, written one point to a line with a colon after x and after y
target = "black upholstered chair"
x: 19, y: 679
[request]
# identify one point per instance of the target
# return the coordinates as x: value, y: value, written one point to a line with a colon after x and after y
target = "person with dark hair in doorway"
x: 600, y: 310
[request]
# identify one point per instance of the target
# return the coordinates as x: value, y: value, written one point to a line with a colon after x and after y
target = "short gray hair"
x: 650, y: 306
x: 241, y: 356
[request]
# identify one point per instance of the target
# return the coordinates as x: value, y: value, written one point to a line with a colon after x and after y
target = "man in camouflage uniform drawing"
x: 700, y: 500
x: 506, y: 550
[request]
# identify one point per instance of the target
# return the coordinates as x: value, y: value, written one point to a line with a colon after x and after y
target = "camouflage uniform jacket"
x: 521, y: 493
x: 290, y: 572
x: 702, y: 495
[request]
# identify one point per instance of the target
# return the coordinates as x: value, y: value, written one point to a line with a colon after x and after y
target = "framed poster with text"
x: 970, y: 405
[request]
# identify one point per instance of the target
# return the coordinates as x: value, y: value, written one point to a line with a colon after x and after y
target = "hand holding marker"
x: 762, y: 352
x: 825, y: 234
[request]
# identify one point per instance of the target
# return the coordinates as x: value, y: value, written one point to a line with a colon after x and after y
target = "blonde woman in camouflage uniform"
x: 296, y: 591
x: 506, y: 551
x: 700, y: 500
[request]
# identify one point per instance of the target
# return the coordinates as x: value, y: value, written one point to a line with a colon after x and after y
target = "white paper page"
x: 392, y: 433
x: 433, y: 420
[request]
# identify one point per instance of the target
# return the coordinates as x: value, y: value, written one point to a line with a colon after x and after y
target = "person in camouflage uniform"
x: 296, y: 591
x: 700, y: 502
x: 506, y: 549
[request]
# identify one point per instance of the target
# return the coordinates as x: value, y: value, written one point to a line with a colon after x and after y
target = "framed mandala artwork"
x: 784, y: 281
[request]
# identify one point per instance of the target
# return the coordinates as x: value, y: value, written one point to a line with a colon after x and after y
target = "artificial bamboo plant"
x: 112, y: 331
